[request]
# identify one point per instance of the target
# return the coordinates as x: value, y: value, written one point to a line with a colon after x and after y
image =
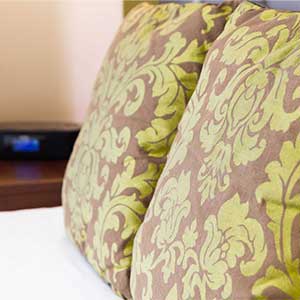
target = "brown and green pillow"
x: 143, y: 87
x: 224, y: 222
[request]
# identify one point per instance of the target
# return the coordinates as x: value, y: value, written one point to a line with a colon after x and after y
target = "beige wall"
x: 50, y: 52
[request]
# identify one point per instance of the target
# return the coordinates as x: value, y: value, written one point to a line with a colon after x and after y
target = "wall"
x: 50, y: 52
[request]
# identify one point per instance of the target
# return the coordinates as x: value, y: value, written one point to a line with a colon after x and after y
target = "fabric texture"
x: 38, y: 261
x: 146, y: 80
x: 224, y: 222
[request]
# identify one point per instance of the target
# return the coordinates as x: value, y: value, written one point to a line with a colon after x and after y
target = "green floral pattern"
x: 224, y: 219
x: 141, y: 92
x: 283, y: 211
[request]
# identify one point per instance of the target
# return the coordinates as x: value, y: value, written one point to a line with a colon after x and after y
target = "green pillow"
x: 146, y: 80
x: 224, y: 222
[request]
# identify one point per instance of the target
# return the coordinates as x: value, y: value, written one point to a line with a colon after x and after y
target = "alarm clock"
x: 37, y: 141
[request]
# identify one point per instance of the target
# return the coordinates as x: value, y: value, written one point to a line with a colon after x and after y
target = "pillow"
x: 224, y: 222
x: 146, y: 80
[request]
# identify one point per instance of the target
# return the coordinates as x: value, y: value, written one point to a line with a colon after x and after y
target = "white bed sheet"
x: 38, y: 262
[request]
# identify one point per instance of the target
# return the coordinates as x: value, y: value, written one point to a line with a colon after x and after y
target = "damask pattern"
x: 142, y: 89
x: 224, y: 221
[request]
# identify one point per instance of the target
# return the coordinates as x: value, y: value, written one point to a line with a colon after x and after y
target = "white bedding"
x: 38, y: 262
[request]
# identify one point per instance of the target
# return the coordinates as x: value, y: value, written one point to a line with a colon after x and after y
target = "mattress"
x: 37, y: 260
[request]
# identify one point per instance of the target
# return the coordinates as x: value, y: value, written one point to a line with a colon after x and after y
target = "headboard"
x: 292, y: 5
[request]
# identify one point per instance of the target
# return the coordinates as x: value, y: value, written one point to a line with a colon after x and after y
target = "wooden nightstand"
x: 30, y: 184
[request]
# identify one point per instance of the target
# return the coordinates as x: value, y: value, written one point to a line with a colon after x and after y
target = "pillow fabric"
x: 224, y: 222
x: 147, y: 78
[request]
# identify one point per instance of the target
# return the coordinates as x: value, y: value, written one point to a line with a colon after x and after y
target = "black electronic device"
x: 37, y: 141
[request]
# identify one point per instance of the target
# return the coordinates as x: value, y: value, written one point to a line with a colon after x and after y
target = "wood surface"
x: 130, y: 4
x: 30, y: 184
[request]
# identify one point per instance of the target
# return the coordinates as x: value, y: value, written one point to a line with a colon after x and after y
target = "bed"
x: 38, y: 261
